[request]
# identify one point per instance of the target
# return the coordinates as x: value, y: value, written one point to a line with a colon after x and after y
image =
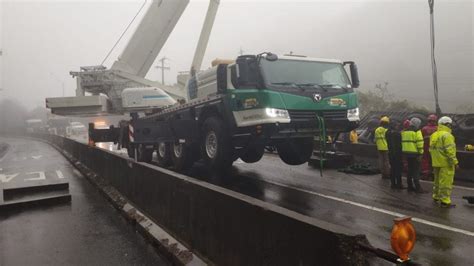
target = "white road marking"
x: 36, y: 157
x: 460, y: 187
x: 59, y: 174
x: 373, y: 208
x: 41, y: 176
x: 7, y: 178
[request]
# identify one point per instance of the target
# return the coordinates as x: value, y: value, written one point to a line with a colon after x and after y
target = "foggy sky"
x: 43, y: 40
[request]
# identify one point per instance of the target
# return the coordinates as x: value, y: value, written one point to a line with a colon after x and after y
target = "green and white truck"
x: 238, y: 108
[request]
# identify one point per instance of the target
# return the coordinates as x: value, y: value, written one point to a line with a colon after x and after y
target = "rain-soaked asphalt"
x: 88, y: 231
x: 364, y: 203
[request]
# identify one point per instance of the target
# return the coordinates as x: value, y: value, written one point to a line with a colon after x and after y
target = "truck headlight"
x: 353, y: 114
x: 274, y: 113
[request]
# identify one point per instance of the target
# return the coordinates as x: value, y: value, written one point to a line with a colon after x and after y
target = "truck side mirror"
x: 221, y: 78
x: 242, y: 72
x: 354, y: 74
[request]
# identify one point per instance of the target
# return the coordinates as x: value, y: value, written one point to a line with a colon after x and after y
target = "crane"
x: 123, y: 88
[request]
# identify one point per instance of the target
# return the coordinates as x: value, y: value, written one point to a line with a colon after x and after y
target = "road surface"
x: 363, y: 203
x: 88, y: 231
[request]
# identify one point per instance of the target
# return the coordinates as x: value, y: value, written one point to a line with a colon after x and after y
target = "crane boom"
x: 205, y: 34
x: 113, y: 89
x: 150, y: 36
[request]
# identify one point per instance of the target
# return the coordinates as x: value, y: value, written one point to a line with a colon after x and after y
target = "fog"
x: 43, y: 40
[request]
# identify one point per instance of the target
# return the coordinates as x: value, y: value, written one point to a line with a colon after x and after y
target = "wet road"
x: 363, y: 203
x: 88, y: 231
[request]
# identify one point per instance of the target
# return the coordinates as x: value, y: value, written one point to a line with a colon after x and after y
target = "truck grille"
x: 297, y: 115
x: 337, y: 114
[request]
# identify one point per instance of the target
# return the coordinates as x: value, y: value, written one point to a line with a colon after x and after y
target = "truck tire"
x: 144, y: 154
x: 253, y: 154
x: 181, y: 156
x: 163, y: 154
x: 295, y: 151
x: 216, y: 147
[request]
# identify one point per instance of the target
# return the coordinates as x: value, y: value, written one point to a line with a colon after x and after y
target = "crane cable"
x: 123, y: 33
x: 433, y: 59
x: 322, y: 142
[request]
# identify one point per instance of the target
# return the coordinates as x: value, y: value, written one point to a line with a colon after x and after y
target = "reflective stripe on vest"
x: 412, y: 142
x: 380, y: 139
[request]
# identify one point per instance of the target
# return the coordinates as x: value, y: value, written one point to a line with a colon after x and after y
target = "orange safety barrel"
x: 403, y: 237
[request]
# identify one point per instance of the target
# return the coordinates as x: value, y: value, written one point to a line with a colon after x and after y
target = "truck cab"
x: 281, y: 101
x: 293, y: 90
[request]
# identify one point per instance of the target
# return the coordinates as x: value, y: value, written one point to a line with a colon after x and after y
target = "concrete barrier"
x: 225, y: 227
x: 368, y: 153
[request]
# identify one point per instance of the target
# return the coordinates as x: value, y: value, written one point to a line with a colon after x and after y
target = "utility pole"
x: 433, y: 59
x: 241, y: 51
x: 163, y: 68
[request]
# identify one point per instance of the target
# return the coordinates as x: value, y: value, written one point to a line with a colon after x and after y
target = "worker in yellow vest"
x: 444, y: 161
x: 353, y: 137
x: 412, y: 148
x: 382, y: 146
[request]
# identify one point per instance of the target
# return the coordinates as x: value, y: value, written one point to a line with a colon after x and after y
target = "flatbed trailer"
x: 239, y: 108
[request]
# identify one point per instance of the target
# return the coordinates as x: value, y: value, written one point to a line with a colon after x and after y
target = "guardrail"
x: 222, y: 226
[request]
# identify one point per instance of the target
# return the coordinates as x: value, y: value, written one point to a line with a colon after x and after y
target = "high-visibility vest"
x: 443, y: 148
x: 380, y: 139
x: 412, y: 142
x: 354, y: 138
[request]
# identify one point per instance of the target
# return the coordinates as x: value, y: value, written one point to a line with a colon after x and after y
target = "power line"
x: 123, y: 33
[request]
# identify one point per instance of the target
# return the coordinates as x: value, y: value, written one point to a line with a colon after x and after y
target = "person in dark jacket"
x: 394, y: 141
x: 412, y: 147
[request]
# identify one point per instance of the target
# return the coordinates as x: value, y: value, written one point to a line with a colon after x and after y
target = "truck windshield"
x: 299, y: 73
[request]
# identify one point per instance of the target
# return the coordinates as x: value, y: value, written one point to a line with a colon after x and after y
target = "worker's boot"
x: 444, y: 205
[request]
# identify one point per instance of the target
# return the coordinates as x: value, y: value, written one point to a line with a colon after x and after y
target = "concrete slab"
x: 88, y: 231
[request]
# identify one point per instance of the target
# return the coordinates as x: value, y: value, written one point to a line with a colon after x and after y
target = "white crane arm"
x: 150, y: 36
x: 205, y: 34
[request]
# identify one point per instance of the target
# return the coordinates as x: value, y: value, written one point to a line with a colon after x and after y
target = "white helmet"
x: 445, y: 120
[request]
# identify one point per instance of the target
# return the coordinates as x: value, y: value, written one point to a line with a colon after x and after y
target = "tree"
x: 381, y: 99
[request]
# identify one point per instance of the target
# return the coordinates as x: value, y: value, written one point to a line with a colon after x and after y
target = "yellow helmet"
x: 385, y: 119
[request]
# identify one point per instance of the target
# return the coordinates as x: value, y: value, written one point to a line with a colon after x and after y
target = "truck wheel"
x: 182, y: 157
x: 295, y: 151
x: 216, y: 147
x: 163, y: 154
x: 144, y: 154
x: 253, y: 154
